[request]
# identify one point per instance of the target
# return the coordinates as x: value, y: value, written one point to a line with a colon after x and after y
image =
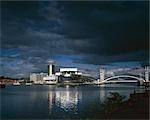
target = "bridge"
x: 111, y: 79
x: 117, y: 78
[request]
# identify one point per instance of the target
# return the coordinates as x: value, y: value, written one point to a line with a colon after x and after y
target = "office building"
x: 37, y: 78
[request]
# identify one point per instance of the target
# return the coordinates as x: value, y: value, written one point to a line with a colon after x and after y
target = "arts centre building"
x: 64, y: 75
x: 68, y: 75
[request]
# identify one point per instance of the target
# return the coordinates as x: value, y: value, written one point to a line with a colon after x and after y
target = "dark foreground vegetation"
x: 115, y: 107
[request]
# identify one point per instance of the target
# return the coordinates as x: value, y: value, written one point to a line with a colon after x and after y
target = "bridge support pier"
x: 102, y: 75
x: 141, y: 82
x: 147, y: 74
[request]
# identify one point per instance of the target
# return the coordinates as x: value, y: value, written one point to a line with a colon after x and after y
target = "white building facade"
x: 68, y: 72
x: 37, y: 78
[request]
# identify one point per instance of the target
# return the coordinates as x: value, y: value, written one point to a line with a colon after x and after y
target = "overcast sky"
x: 86, y: 35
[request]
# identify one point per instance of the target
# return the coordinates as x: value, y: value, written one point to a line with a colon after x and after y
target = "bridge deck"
x: 121, y: 81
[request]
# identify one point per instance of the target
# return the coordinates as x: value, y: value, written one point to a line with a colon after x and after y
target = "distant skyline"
x: 86, y: 34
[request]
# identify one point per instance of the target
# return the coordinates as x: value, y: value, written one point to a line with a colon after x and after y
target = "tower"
x: 51, y: 68
x: 147, y: 74
x: 102, y: 74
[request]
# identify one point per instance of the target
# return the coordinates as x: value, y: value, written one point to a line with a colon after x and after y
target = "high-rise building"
x: 51, y: 69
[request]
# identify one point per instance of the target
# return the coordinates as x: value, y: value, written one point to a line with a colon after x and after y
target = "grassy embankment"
x: 115, y: 107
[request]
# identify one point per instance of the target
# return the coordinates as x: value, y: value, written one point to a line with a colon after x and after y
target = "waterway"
x: 57, y: 102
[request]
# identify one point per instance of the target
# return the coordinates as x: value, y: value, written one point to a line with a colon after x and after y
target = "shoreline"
x: 136, y: 107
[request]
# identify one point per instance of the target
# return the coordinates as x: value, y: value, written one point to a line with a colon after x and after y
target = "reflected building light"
x: 66, y: 100
x: 67, y: 96
x: 102, y: 94
x: 67, y: 86
x: 51, y: 99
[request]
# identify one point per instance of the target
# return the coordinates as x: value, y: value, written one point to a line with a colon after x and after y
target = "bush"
x: 114, y: 100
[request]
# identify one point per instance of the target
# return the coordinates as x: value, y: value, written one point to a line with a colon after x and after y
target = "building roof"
x: 68, y: 69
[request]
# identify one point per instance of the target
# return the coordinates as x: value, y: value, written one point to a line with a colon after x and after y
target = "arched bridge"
x: 109, y: 80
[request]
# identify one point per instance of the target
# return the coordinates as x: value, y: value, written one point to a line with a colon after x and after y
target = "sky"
x: 87, y: 35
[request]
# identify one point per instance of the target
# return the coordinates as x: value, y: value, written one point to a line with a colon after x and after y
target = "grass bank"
x: 136, y: 107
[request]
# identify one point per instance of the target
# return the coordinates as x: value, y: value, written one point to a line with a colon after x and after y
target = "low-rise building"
x: 68, y: 72
x: 68, y: 75
x: 50, y: 79
x: 37, y: 78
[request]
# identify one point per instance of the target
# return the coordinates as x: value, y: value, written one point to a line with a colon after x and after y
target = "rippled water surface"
x: 50, y: 101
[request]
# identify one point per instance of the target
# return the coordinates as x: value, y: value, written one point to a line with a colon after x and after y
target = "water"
x: 55, y: 102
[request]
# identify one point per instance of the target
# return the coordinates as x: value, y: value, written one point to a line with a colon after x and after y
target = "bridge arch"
x: 124, y: 76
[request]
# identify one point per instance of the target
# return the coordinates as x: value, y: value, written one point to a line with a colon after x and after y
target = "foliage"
x: 114, y: 100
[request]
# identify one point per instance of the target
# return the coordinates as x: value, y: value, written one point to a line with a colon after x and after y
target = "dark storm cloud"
x: 99, y: 32
x: 105, y: 60
x: 108, y: 27
x: 105, y: 27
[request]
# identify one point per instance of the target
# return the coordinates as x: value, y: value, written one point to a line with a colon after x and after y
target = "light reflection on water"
x: 58, y: 102
x: 76, y: 100
x: 66, y: 100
